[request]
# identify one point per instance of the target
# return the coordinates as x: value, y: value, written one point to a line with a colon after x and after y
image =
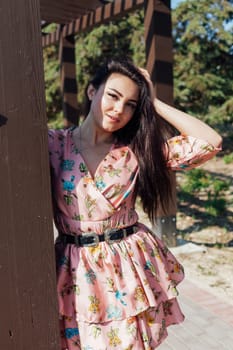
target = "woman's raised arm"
x: 187, y: 124
x: 183, y: 122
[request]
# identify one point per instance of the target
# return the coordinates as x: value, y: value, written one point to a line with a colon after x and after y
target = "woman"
x: 116, y: 280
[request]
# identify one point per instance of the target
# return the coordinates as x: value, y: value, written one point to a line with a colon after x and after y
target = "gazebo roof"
x: 65, y: 11
x: 80, y: 15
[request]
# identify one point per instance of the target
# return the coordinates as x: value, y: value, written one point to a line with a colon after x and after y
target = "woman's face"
x: 114, y: 103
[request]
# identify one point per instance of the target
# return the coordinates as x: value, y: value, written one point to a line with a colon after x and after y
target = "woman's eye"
x: 132, y: 105
x: 113, y: 96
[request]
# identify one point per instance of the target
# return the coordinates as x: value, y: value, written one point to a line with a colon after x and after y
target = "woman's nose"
x: 119, y: 107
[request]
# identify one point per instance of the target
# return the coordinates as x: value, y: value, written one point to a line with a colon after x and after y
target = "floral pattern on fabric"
x: 120, y: 295
x: 187, y: 152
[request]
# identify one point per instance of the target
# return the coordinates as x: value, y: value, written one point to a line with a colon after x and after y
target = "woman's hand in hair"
x: 146, y: 75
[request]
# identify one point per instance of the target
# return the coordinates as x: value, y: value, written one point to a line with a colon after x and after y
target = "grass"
x: 199, y: 182
x: 228, y: 158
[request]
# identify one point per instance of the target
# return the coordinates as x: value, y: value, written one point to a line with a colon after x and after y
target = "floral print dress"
x: 120, y: 295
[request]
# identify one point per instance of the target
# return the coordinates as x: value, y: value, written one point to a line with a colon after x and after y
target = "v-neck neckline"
x: 90, y: 175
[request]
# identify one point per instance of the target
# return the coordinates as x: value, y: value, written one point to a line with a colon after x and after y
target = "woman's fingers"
x: 146, y: 75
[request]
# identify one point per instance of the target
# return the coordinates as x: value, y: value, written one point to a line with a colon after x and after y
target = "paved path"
x: 208, y: 322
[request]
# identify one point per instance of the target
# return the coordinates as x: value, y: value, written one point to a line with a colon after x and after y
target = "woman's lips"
x: 113, y: 118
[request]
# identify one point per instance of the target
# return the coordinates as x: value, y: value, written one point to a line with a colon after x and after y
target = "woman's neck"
x: 94, y: 135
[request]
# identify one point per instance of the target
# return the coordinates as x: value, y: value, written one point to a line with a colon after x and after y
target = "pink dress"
x: 120, y: 295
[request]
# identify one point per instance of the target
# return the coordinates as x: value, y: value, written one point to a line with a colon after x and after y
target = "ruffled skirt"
x: 118, y: 296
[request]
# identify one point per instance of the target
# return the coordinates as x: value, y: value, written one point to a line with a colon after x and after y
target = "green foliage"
x: 52, y: 86
x: 212, y: 189
x: 203, y: 58
x: 198, y: 179
x: 228, y: 158
x: 215, y: 206
x: 195, y: 180
x: 52, y: 82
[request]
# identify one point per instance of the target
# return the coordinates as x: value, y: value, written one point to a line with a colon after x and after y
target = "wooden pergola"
x: 28, y: 318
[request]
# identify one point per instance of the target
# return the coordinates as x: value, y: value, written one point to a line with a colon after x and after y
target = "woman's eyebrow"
x: 120, y: 94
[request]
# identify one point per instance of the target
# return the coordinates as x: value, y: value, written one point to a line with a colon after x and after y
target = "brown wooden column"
x: 158, y: 38
x: 28, y: 317
x: 68, y: 80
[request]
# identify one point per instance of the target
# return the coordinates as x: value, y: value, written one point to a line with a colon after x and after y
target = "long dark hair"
x: 146, y: 134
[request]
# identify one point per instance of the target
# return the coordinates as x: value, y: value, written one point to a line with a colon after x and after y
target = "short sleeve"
x: 187, y: 152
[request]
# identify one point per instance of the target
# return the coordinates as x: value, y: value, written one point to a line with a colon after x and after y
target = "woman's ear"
x: 91, y: 92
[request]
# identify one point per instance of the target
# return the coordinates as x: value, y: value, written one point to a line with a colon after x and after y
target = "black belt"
x: 92, y: 239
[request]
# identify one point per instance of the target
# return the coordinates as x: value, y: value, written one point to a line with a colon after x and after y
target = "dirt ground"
x: 211, y: 268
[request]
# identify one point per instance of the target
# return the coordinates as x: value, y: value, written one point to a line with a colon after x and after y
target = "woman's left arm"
x: 187, y: 124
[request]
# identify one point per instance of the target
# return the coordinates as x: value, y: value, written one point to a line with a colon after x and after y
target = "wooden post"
x: 68, y: 80
x: 29, y: 316
x: 159, y: 57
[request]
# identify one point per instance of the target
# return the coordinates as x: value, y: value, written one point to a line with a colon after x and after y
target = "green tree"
x: 203, y: 52
x: 52, y: 82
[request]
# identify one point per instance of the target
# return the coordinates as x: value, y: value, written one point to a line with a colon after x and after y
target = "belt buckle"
x: 95, y: 239
x: 108, y: 233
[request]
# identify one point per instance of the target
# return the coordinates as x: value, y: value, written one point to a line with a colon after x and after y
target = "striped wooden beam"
x: 159, y: 58
x: 100, y: 16
x: 158, y: 38
x: 68, y: 80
